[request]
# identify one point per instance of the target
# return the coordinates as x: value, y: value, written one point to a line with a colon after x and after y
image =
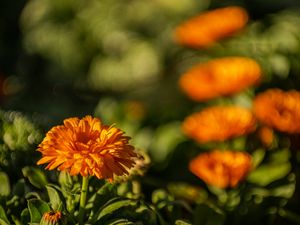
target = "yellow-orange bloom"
x: 209, y: 27
x: 51, y: 218
x: 220, y: 77
x: 221, y: 168
x: 279, y: 109
x: 87, y: 147
x: 219, y: 123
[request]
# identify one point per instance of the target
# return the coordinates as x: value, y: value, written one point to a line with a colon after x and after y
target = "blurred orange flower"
x: 279, y: 109
x: 87, y: 147
x: 220, y: 77
x: 221, y: 168
x: 219, y: 123
x: 207, y: 28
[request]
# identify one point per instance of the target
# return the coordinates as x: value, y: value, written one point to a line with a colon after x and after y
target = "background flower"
x: 219, y: 123
x: 207, y: 28
x: 279, y: 109
x: 221, y: 168
x: 87, y: 147
x: 220, y: 77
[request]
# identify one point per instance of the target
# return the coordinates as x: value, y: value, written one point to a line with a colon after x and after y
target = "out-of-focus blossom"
x: 266, y: 135
x: 135, y: 110
x: 279, y: 109
x: 221, y: 168
x: 87, y: 147
x: 51, y: 218
x: 219, y: 123
x: 220, y: 77
x: 209, y: 27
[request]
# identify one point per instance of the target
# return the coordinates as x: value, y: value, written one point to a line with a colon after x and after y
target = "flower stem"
x: 83, y: 194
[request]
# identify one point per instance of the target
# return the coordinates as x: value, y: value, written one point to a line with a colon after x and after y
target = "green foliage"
x: 277, y: 167
x: 37, y: 208
x: 5, y: 186
x: 3, y: 217
x: 35, y: 176
x: 19, y: 136
x: 55, y: 198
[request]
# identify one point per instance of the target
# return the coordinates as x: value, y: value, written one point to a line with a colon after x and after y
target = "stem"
x: 83, y: 194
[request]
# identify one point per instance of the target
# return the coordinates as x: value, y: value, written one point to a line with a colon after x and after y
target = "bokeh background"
x: 117, y: 60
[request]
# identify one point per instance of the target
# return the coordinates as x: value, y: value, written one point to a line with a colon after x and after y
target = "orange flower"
x: 51, y: 218
x: 220, y: 77
x: 207, y: 28
x: 87, y: 147
x: 219, y: 123
x: 221, y: 168
x: 279, y: 110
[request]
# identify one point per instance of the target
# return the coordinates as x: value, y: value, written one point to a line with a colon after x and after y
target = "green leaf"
x: 284, y: 191
x: 55, y: 198
x: 118, y: 221
x: 208, y: 214
x: 3, y: 217
x: 257, y: 157
x: 65, y: 179
x: 112, y: 206
x: 5, y: 186
x: 35, y: 175
x: 182, y: 222
x: 266, y: 174
x: 25, y: 216
x: 104, y: 194
x: 37, y: 208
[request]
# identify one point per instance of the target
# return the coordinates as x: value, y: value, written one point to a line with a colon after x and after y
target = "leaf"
x: 266, y: 174
x: 65, y: 179
x: 257, y: 157
x: 36, y: 176
x: 3, y: 217
x: 208, y: 214
x: 182, y: 222
x: 37, y: 208
x: 104, y: 194
x: 113, y: 205
x: 55, y: 198
x: 118, y: 221
x: 25, y: 216
x: 5, y: 186
x: 285, y: 191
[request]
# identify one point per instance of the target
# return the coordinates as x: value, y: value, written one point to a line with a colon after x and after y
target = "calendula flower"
x: 209, y: 27
x: 279, y: 109
x: 87, y: 147
x: 52, y: 218
x: 220, y: 77
x: 221, y: 168
x: 219, y: 123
